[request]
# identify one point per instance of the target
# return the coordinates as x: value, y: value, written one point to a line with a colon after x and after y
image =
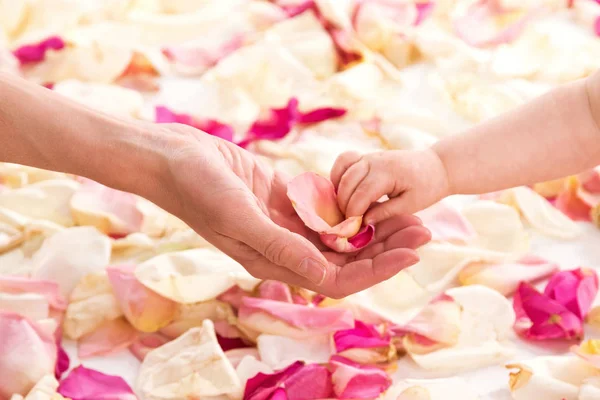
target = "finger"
x: 279, y: 246
x: 362, y: 274
x: 388, y: 227
x: 370, y: 189
x: 412, y: 238
x: 349, y: 182
x: 406, y: 203
x: 343, y: 162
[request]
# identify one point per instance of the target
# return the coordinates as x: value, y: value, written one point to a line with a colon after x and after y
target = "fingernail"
x: 313, y: 270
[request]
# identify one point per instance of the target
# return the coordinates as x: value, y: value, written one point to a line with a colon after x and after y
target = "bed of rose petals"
x: 296, y: 81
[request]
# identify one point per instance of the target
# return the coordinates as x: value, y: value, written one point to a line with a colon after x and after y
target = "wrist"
x: 441, y: 169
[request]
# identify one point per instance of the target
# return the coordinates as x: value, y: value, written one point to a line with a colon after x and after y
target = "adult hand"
x: 240, y: 205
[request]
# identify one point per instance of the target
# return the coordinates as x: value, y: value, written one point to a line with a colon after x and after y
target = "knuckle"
x: 276, y: 252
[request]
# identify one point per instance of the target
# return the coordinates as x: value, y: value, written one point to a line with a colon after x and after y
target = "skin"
x: 553, y: 136
x: 226, y: 194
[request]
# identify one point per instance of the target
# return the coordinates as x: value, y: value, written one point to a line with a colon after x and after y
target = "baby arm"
x: 552, y: 136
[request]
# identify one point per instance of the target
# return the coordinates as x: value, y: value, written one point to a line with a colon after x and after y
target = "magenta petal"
x: 262, y: 386
x: 355, y: 381
x: 62, y: 361
x: 539, y: 317
x: 424, y: 10
x: 363, y: 237
x: 597, y: 26
x: 362, y: 336
x: 210, y: 126
x: 87, y: 384
x: 295, y: 10
x: 278, y: 124
x: 321, y: 114
x: 576, y: 290
x: 279, y: 394
x: 33, y: 53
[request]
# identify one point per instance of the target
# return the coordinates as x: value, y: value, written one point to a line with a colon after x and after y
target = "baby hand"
x: 412, y: 180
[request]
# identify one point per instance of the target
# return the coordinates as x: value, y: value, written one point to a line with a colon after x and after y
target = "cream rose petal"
x: 485, y: 329
x: 193, y: 276
x: 47, y: 200
x: 550, y: 377
x: 279, y: 352
x: 69, y: 255
x: 91, y: 304
x: 498, y: 226
x: 542, y: 216
x: 431, y: 389
x: 191, y: 365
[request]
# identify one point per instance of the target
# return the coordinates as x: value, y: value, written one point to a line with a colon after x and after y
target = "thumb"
x: 284, y: 248
x: 406, y: 203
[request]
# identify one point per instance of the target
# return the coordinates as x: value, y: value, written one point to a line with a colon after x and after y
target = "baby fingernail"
x: 313, y: 270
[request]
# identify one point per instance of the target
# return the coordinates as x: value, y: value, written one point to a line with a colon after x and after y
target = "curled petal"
x: 365, y: 344
x: 356, y: 381
x: 27, y: 353
x: 293, y: 320
x: 233, y: 296
x: 539, y: 317
x: 576, y: 290
x: 314, y: 200
x: 505, y: 277
x: 88, y: 384
x: 210, y: 126
x: 112, y: 337
x: 33, y: 53
x: 146, y: 310
x: 111, y: 211
x: 487, y: 24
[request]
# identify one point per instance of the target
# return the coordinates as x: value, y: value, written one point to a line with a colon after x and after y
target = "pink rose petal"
x: 36, y: 52
x: 95, y: 198
x: 210, y: 126
x: 597, y: 26
x: 231, y: 343
x: 297, y: 318
x: 24, y: 346
x: 478, y: 27
x: 234, y: 296
x: 49, y: 289
x: 275, y: 290
x: 62, y: 361
x: 447, y: 224
x: 590, y: 180
x: 576, y: 290
x: 145, y: 343
x: 262, y: 386
x: 505, y: 277
x: 314, y: 199
x: 145, y: 309
x: 540, y: 317
x: 112, y: 337
x: 570, y: 203
x: 364, y: 344
x: 88, y: 384
x: 195, y: 60
x: 356, y: 381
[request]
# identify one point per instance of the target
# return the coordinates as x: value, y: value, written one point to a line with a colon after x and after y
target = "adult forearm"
x: 42, y: 129
x: 548, y: 138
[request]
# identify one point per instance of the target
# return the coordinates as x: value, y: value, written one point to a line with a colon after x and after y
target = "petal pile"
x: 315, y: 202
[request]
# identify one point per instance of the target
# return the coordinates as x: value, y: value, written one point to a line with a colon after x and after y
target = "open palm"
x: 240, y: 205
